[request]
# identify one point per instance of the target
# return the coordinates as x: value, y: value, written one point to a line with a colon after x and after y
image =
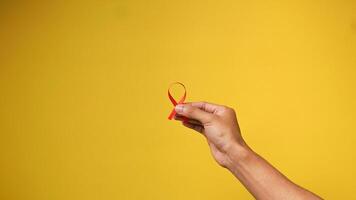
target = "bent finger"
x: 195, y: 127
x: 192, y: 121
x: 192, y: 112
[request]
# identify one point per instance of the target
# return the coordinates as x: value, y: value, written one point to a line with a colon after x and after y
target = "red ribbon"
x: 174, y: 102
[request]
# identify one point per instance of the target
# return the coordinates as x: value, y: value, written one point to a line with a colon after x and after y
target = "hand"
x: 220, y: 127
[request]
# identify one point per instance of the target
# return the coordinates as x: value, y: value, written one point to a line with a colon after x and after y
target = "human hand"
x: 220, y: 127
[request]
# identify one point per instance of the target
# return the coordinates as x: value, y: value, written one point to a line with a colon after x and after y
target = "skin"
x: 218, y: 124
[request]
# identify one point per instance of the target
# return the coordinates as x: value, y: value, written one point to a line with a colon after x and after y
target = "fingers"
x: 184, y: 119
x: 195, y: 127
x: 190, y: 123
x: 208, y: 107
x: 193, y: 112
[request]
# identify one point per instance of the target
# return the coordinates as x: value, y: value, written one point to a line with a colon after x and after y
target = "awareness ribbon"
x: 174, y: 102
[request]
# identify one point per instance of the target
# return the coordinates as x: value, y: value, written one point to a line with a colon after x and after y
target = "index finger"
x: 207, y: 107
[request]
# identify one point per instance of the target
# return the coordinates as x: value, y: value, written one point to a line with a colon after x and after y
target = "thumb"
x: 192, y: 112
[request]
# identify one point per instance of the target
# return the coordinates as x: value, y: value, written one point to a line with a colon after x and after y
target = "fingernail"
x: 179, y: 108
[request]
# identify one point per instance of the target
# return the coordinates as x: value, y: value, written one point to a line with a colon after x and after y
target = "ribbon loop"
x: 174, y: 102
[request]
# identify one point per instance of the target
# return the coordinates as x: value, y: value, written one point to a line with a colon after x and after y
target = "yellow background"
x: 83, y: 105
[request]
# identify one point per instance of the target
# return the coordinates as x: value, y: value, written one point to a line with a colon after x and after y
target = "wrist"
x: 238, y: 154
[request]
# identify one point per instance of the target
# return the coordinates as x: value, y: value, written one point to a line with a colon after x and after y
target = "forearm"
x: 261, y: 179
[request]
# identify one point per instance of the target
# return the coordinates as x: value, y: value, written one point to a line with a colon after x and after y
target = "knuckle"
x: 225, y: 108
x: 229, y: 110
x: 203, y: 104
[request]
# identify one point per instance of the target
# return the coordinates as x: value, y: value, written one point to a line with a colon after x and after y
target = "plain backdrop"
x: 84, y: 106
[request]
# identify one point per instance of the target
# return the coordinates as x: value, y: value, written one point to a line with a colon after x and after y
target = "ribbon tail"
x: 172, y: 114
